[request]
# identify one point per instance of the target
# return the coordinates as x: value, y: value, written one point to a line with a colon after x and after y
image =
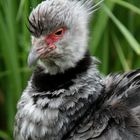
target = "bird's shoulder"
x: 123, y: 89
x: 116, y: 113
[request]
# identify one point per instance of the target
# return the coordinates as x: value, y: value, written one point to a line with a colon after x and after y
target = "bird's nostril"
x: 41, y: 50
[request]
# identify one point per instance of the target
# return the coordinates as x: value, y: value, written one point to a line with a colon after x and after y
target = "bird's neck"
x: 65, y: 96
x: 61, y: 63
x: 44, y: 82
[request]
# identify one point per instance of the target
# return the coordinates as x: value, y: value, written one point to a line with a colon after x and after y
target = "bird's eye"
x: 57, y: 35
x: 59, y: 32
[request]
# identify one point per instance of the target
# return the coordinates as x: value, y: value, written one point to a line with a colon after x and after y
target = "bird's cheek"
x: 51, y: 40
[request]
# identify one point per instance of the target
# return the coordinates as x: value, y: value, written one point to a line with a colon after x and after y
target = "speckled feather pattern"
x: 103, y: 106
x: 66, y: 97
x: 52, y: 122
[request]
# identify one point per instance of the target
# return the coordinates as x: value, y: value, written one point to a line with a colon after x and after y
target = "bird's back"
x: 116, y: 113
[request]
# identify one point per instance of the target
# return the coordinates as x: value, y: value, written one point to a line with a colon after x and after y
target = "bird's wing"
x: 121, y: 104
x: 116, y: 113
x: 124, y: 89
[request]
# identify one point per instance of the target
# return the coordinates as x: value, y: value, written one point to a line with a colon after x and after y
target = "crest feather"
x: 90, y: 5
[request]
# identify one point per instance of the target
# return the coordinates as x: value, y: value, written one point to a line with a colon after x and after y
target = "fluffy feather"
x: 67, y: 98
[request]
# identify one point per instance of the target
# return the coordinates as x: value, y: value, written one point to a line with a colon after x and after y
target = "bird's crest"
x: 90, y: 5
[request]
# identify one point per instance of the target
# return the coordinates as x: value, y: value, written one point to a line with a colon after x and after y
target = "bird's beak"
x: 40, y: 52
x: 32, y: 57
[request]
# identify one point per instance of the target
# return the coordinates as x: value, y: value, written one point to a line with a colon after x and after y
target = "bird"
x: 66, y: 97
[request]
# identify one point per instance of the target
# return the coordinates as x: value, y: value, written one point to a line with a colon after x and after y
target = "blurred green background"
x: 114, y: 39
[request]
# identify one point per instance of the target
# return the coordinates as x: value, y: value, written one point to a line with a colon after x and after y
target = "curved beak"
x: 41, y: 52
x: 32, y: 57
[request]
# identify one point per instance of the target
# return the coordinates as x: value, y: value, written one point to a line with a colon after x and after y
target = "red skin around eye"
x: 52, y: 38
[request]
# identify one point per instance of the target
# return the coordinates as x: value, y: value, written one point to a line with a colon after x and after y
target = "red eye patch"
x: 55, y: 36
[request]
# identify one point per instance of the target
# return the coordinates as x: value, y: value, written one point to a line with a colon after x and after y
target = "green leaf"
x: 129, y: 37
x: 20, y: 10
x: 9, y: 51
x: 105, y: 52
x: 120, y: 53
x: 4, y: 135
x: 127, y: 5
x: 98, y: 28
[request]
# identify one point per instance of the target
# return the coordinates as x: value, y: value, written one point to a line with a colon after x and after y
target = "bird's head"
x: 59, y: 31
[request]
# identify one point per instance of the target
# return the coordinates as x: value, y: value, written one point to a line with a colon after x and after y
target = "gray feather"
x: 67, y: 98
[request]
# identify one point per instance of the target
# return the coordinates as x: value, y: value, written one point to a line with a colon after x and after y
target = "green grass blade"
x: 127, y: 5
x: 129, y: 37
x: 20, y: 10
x: 105, y: 52
x: 10, y: 56
x: 98, y: 28
x: 4, y: 135
x: 120, y: 53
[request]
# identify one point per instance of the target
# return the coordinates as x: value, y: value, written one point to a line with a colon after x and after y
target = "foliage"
x: 114, y: 39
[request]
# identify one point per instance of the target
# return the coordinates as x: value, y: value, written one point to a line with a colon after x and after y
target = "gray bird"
x: 66, y: 97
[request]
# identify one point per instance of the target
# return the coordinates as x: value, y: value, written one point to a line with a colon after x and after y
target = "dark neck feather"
x: 43, y: 82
